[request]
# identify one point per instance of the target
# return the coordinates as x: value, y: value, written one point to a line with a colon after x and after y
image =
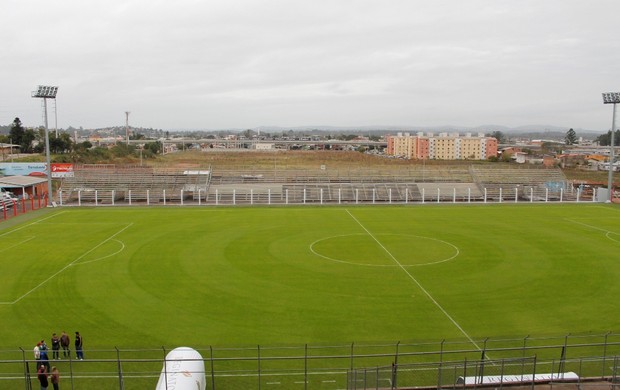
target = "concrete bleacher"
x: 111, y: 184
x: 108, y: 184
x: 531, y: 183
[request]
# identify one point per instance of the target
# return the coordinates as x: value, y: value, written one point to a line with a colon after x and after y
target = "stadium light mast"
x: 611, y: 98
x: 47, y: 92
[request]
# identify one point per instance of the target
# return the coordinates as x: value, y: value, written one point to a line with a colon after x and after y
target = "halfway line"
x: 416, y: 282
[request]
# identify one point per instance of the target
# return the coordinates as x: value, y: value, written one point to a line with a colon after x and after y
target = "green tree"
x: 17, y: 133
x: 571, y: 137
x: 605, y: 139
x: 153, y: 147
x: 498, y: 135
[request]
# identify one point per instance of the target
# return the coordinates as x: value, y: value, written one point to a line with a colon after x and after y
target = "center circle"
x: 384, y: 250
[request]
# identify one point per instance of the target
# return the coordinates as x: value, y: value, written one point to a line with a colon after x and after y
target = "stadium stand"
x: 111, y: 184
x: 108, y: 184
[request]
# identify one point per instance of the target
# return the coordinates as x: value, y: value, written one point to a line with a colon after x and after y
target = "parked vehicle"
x: 6, y: 200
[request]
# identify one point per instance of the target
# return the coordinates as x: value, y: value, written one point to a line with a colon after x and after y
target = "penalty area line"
x: 428, y: 295
x: 67, y: 266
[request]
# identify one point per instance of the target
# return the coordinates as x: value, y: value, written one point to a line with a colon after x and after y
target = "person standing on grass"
x: 55, y: 346
x: 42, y: 377
x: 55, y: 377
x: 45, y: 360
x: 79, y: 343
x: 64, y: 343
x: 37, y: 353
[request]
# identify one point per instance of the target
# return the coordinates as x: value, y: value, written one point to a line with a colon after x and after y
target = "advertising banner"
x: 24, y: 169
x: 62, y: 170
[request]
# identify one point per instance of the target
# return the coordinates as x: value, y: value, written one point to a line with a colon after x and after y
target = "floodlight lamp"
x: 611, y: 97
x: 45, y: 91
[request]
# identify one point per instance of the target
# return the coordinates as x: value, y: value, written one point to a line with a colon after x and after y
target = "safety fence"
x: 14, y: 207
x: 326, y: 195
x: 446, y: 364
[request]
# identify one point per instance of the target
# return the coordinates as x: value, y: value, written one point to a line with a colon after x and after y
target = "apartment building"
x: 442, y: 147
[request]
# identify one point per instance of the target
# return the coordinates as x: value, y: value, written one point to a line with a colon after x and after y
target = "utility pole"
x: 127, y: 126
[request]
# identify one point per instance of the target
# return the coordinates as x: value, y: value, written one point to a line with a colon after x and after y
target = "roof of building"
x: 21, y: 181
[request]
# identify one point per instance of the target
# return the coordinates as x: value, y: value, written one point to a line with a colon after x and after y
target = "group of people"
x: 45, y: 378
x: 45, y: 373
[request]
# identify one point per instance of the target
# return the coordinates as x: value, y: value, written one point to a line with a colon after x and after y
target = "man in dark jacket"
x: 64, y: 343
x: 79, y: 342
x: 42, y: 377
x: 55, y: 346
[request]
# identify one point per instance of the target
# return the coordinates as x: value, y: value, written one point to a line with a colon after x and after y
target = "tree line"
x: 66, y: 149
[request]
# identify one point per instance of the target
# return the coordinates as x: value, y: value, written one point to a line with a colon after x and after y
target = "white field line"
x: 66, y: 266
x: 417, y: 283
x: 30, y: 224
x: 18, y: 244
x: 607, y: 232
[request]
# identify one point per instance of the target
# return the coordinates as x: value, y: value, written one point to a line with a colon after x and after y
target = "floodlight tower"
x: 611, y: 98
x: 47, y: 92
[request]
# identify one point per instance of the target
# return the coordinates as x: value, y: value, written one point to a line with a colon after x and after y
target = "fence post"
x: 306, y: 366
x: 604, y: 356
x: 516, y: 194
x: 534, y: 372
x: 523, y: 356
x: 440, y: 364
x: 395, y: 368
x: 212, y: 368
x: 165, y: 366
x: 352, y: 344
x: 71, y: 369
x: 258, y: 364
x: 26, y: 370
x: 563, y: 356
x: 120, y: 369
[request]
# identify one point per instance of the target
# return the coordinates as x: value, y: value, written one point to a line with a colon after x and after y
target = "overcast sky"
x: 214, y: 64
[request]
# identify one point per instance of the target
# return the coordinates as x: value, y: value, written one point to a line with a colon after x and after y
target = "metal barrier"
x: 445, y: 364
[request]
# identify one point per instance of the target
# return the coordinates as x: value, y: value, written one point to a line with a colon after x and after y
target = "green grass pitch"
x: 149, y: 277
